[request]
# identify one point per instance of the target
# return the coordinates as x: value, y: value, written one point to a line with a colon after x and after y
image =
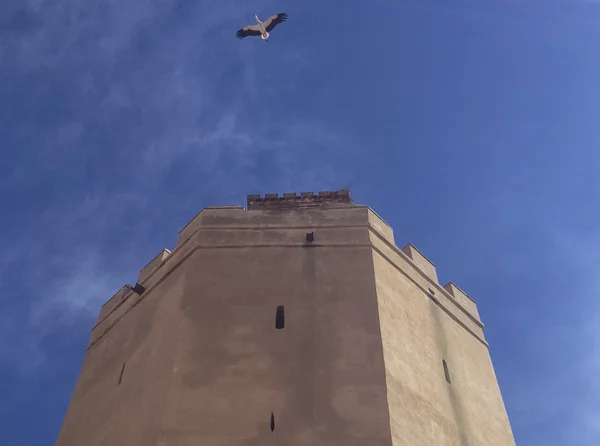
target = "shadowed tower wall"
x: 296, y: 321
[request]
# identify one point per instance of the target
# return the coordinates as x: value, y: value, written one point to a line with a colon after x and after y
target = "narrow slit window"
x: 272, y: 422
x: 121, y: 374
x: 279, y: 318
x: 446, y: 371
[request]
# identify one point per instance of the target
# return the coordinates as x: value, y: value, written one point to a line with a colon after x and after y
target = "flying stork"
x: 262, y: 29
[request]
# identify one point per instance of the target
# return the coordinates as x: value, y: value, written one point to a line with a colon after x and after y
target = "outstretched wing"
x: 274, y: 20
x: 250, y: 30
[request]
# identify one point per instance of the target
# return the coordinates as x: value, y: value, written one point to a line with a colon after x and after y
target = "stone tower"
x: 294, y: 322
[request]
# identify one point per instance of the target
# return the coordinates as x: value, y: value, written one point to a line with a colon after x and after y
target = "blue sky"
x: 470, y: 126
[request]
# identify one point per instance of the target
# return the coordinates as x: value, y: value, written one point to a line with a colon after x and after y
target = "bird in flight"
x: 262, y: 29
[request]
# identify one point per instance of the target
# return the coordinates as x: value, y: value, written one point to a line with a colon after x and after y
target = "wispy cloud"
x: 124, y: 128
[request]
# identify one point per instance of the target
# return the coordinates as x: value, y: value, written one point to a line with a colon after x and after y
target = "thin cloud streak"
x: 182, y: 136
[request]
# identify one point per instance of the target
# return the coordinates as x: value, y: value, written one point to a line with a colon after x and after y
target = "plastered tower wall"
x: 441, y: 385
x: 192, y: 355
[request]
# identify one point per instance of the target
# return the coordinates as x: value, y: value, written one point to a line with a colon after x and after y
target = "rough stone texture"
x: 359, y: 361
x: 417, y: 334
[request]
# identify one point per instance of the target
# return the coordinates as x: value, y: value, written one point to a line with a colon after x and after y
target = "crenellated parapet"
x: 296, y: 201
x: 326, y: 221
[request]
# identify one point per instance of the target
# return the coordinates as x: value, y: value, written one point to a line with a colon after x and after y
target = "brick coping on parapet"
x: 292, y: 199
x: 288, y: 200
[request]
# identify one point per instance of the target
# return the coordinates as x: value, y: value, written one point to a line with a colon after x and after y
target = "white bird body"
x: 262, y: 29
x: 263, y: 32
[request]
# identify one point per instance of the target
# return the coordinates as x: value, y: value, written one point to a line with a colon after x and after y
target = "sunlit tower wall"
x: 293, y: 321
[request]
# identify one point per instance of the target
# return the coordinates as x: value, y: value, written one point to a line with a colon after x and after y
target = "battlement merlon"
x: 153, y: 265
x: 463, y: 299
x: 295, y: 201
x: 421, y: 261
